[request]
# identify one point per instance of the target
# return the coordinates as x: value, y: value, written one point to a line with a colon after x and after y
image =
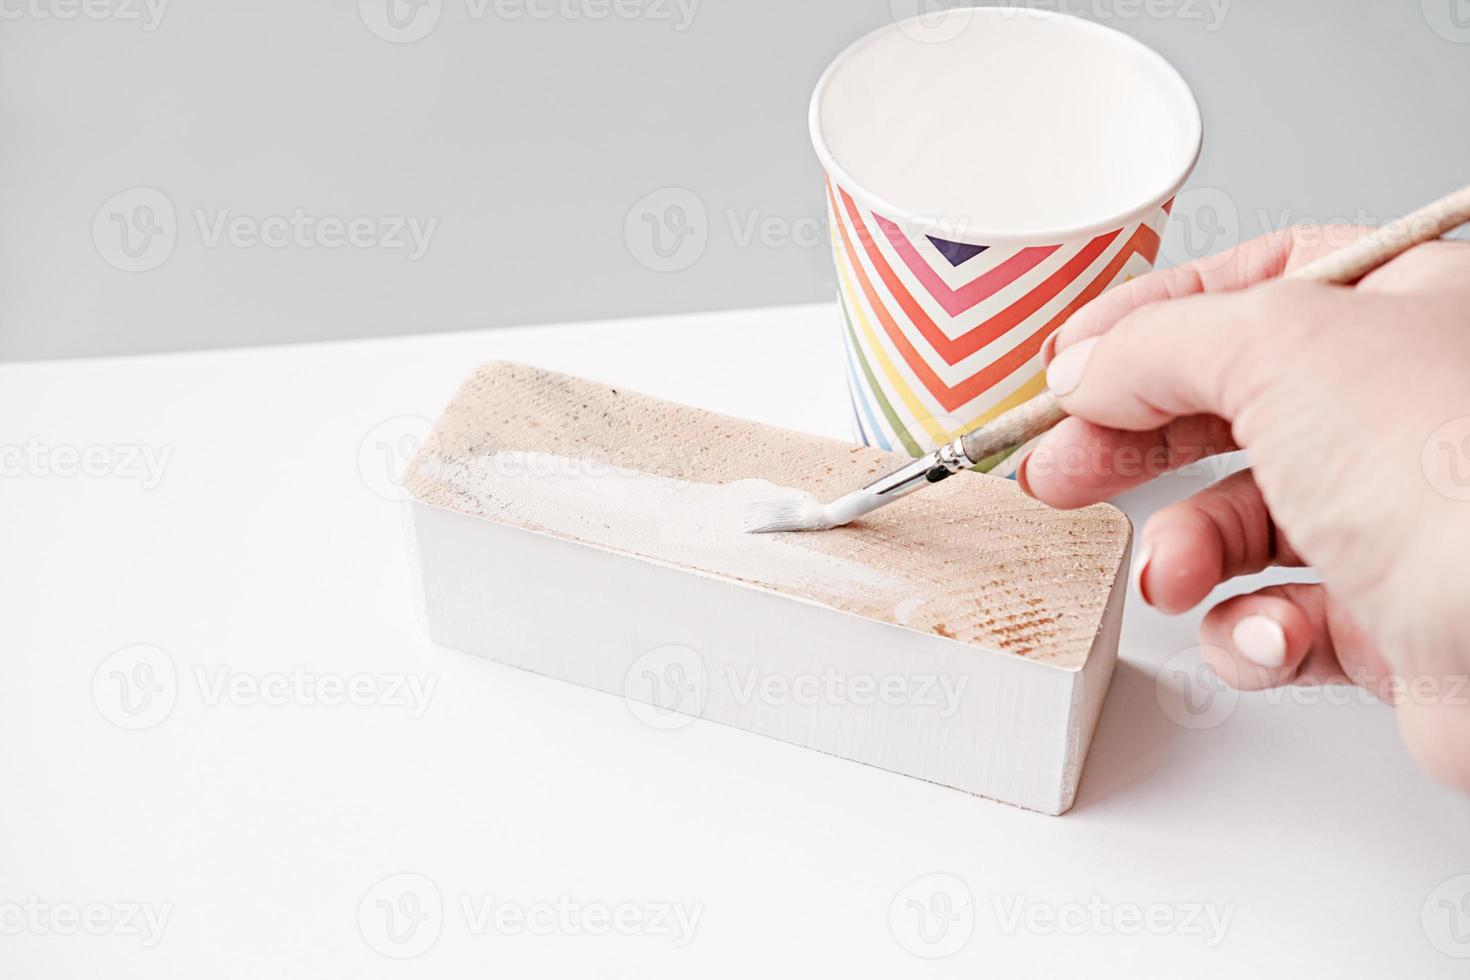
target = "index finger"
x: 1267, y: 257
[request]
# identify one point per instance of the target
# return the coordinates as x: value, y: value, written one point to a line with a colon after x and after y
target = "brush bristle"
x: 764, y: 517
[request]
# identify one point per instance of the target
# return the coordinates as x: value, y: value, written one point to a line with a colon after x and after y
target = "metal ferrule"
x: 943, y: 462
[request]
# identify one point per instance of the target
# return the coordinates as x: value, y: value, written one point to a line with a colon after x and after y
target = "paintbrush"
x: 1036, y: 416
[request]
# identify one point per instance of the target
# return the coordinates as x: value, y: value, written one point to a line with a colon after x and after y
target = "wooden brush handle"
x: 1347, y: 265
x: 1020, y: 425
x: 1343, y: 267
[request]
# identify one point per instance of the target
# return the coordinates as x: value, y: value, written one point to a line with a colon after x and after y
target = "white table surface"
x: 264, y: 829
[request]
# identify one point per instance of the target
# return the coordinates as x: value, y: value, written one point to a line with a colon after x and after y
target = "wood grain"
x: 972, y: 559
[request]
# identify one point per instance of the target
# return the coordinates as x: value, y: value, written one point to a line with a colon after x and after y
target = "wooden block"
x: 964, y: 634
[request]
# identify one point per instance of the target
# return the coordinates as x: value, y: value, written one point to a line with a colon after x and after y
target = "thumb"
x: 1197, y: 355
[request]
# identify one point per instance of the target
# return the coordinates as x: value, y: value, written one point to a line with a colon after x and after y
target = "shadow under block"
x: 964, y: 635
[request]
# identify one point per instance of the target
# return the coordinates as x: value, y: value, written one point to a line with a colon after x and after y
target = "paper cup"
x: 989, y: 171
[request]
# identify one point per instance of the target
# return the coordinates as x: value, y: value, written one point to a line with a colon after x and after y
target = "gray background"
x: 533, y: 132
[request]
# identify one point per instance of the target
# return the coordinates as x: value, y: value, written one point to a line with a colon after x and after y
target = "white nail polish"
x: 1064, y: 374
x: 1261, y: 640
x: 1145, y: 555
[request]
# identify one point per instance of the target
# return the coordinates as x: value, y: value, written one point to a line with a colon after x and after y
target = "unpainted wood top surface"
x: 971, y: 558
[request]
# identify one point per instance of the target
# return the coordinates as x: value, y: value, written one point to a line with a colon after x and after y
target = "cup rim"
x: 1123, y: 219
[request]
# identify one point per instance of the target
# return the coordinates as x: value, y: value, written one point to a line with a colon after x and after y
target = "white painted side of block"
x: 1097, y: 673
x: 1004, y: 727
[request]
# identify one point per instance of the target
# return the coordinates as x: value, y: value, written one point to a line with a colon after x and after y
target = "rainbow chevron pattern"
x: 943, y: 336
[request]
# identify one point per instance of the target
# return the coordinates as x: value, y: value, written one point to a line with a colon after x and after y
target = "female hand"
x: 1355, y: 407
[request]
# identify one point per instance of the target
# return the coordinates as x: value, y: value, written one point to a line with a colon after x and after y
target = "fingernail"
x: 1144, y: 557
x: 1261, y: 640
x: 1065, y: 373
x: 1021, y: 474
x: 1049, y: 347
